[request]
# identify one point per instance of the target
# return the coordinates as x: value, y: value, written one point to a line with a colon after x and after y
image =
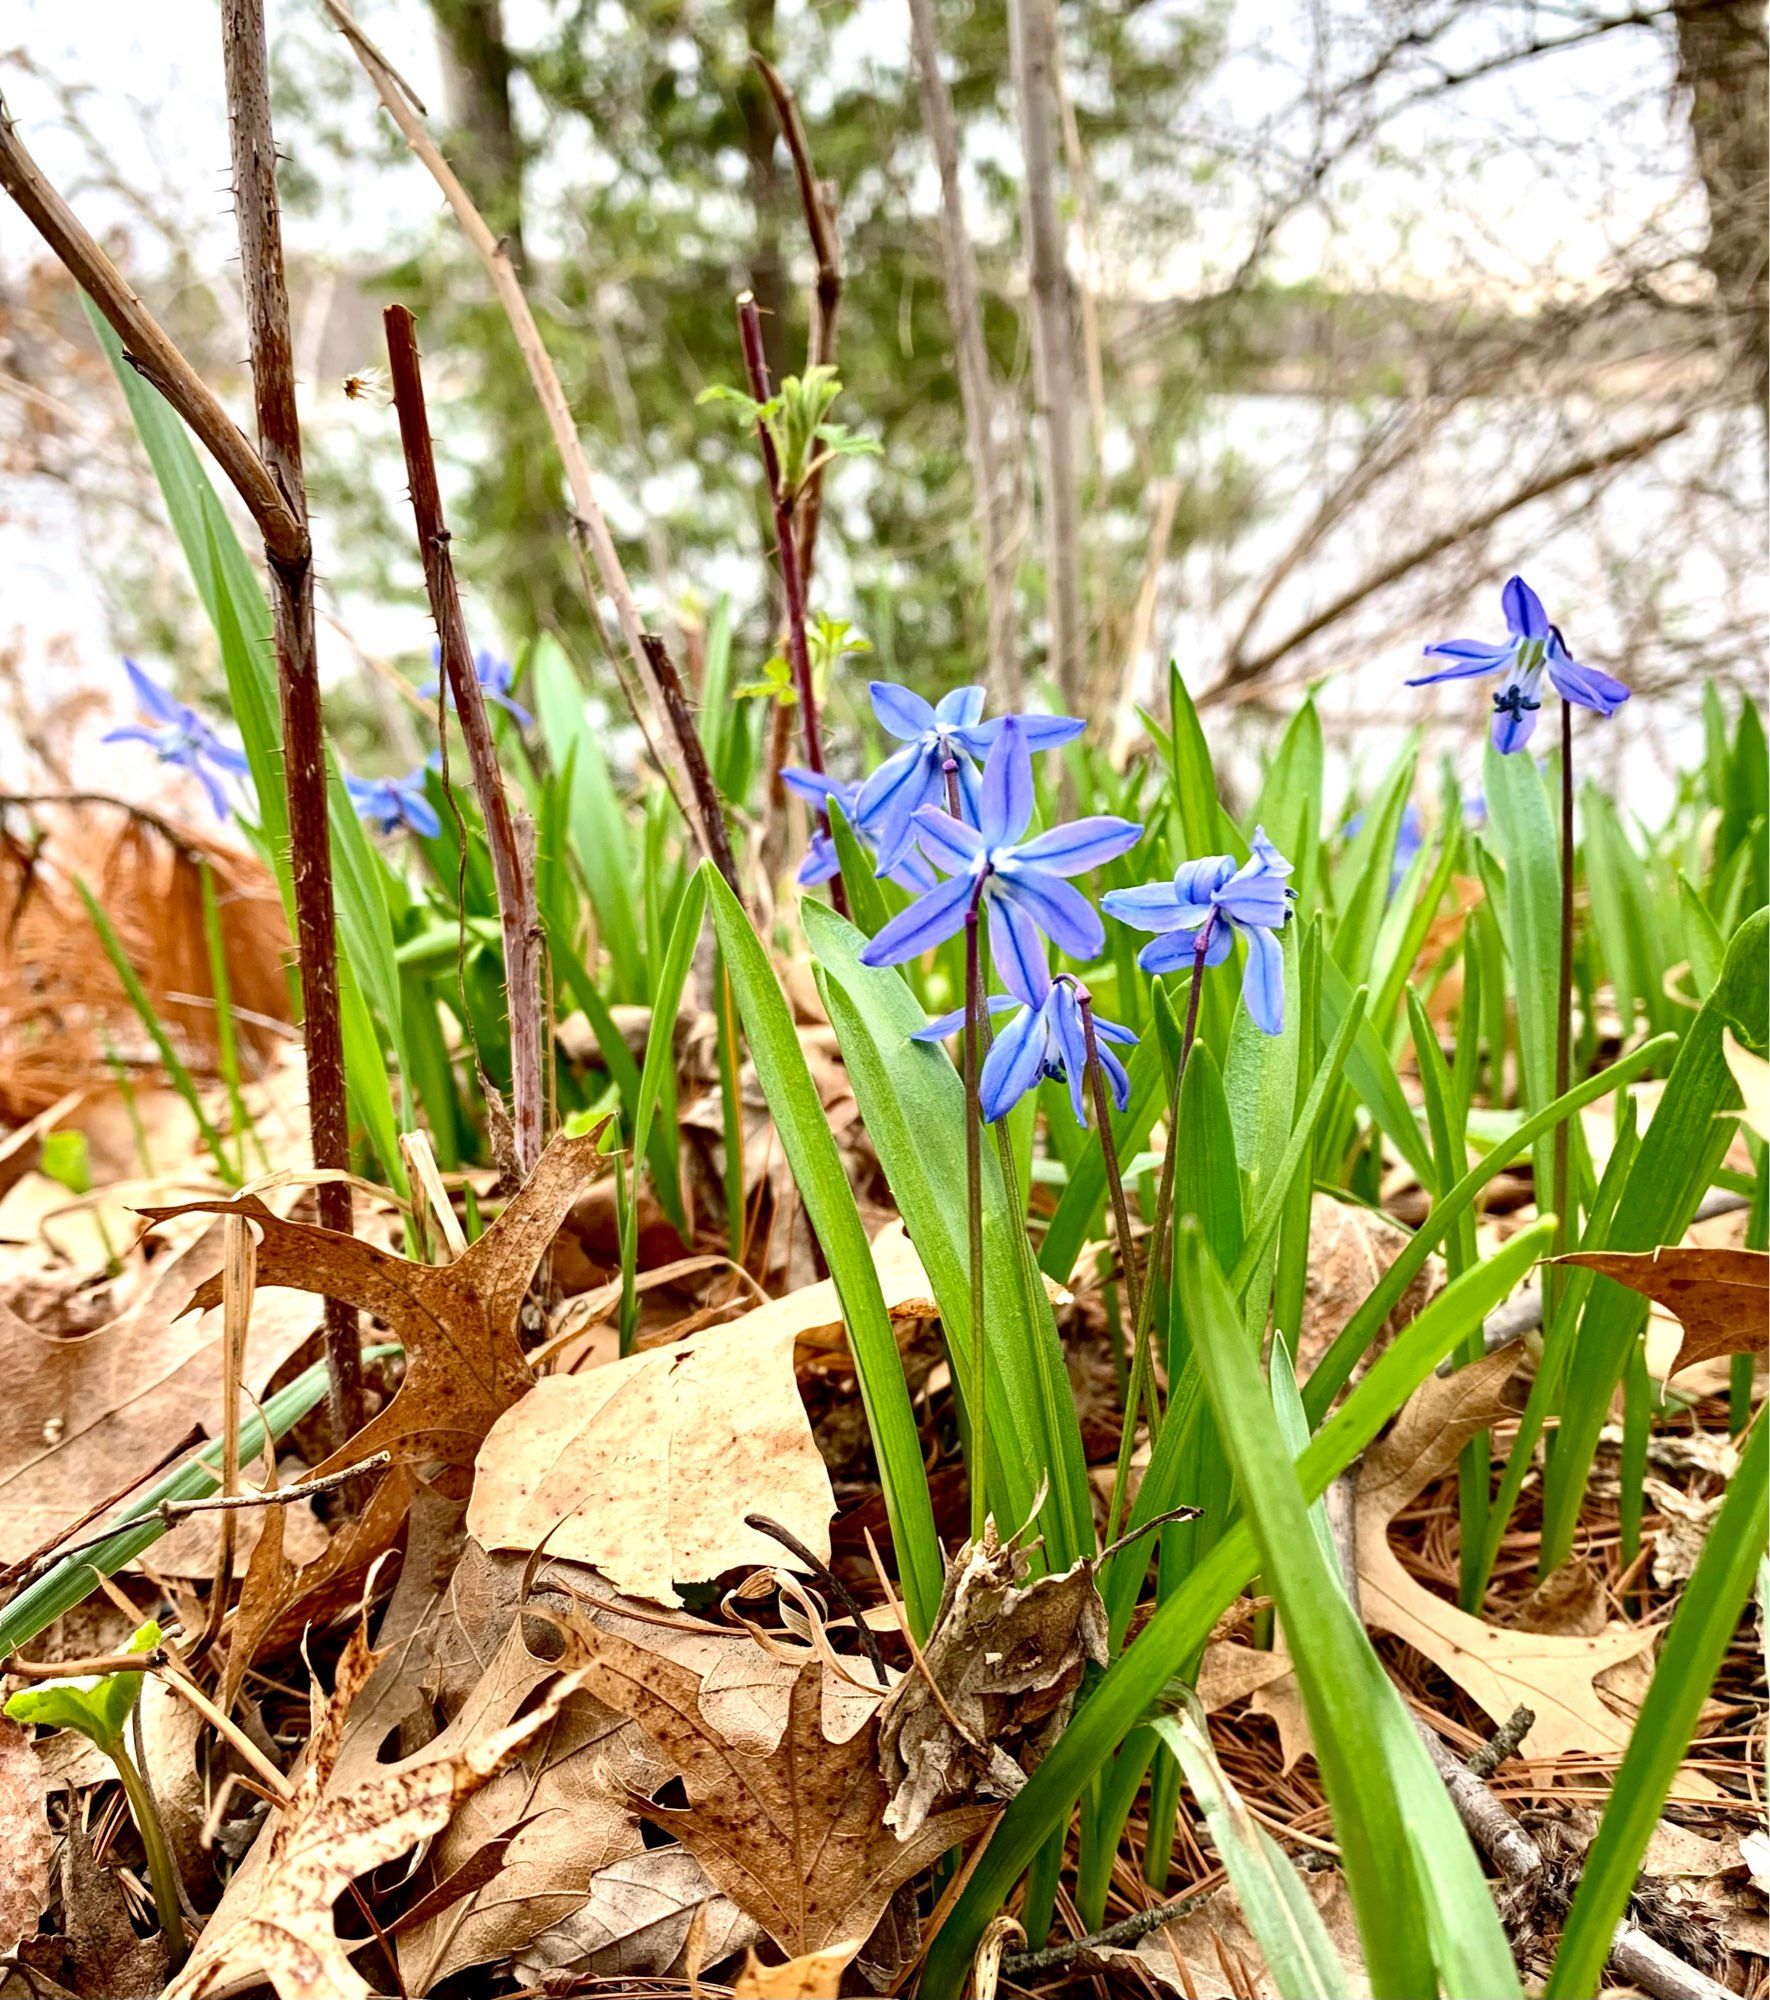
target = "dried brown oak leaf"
x: 1721, y: 1296
x: 1551, y: 1674
x: 795, y: 1835
x: 646, y: 1468
x: 1007, y: 1656
x: 457, y: 1322
x: 1350, y: 1249
x: 26, y: 1844
x: 320, y: 1842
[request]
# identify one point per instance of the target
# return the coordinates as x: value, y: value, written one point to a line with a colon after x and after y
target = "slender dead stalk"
x: 590, y: 527
x: 239, y: 1283
x: 818, y: 200
x: 513, y: 879
x: 715, y: 832
x: 977, y: 389
x: 1032, y: 33
x: 258, y: 215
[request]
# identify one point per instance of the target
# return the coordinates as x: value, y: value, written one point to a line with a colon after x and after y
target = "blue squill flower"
x: 495, y: 677
x: 1410, y: 837
x: 182, y: 737
x: 389, y: 803
x: 1211, y: 900
x: 1020, y: 882
x: 1045, y: 1038
x: 915, y: 776
x: 820, y: 862
x: 1535, y: 647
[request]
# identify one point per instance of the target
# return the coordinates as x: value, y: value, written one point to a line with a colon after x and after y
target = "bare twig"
x: 787, y: 548
x: 818, y: 200
x: 514, y: 881
x: 1126, y: 1931
x: 1503, y: 1743
x: 171, y: 1512
x: 258, y: 216
x: 1032, y: 34
x: 715, y: 832
x: 590, y: 527
x: 831, y: 1582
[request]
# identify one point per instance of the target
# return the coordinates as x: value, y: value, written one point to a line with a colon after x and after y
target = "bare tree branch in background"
x: 1032, y: 38
x: 977, y: 388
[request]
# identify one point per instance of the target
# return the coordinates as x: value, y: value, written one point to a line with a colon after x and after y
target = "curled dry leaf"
x: 1721, y: 1296
x: 322, y: 1840
x: 635, y: 1922
x: 1553, y: 1675
x: 1752, y: 1074
x: 794, y: 1835
x: 26, y: 1844
x: 458, y: 1322
x: 1007, y: 1656
x: 646, y: 1468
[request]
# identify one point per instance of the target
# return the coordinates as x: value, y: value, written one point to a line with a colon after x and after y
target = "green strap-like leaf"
x: 829, y: 1202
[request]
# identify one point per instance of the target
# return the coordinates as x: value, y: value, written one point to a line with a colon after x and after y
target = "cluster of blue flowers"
x: 980, y: 863
x: 181, y: 737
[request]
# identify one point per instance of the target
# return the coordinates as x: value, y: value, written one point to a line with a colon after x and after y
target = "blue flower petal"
x: 901, y: 711
x: 820, y: 861
x: 1063, y: 913
x: 1591, y: 687
x: 133, y: 733
x: 1525, y: 616
x: 812, y: 786
x: 1471, y: 657
x: 158, y: 701
x: 1071, y: 1043
x: 944, y: 1025
x: 1152, y: 906
x: 1116, y: 1075
x: 1006, y: 802
x: 1082, y: 844
x: 1513, y: 728
x: 420, y: 815
x: 949, y: 843
x: 1013, y: 1065
x: 1018, y: 951
x: 926, y: 923
x: 1262, y: 982
x: 885, y: 802
x: 959, y: 709
x: 227, y: 757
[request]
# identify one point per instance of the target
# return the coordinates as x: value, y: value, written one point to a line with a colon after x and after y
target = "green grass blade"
x: 1179, y: 1627
x: 913, y: 1105
x: 1082, y: 1205
x: 1680, y: 1152
x: 1367, y: 867
x: 1329, y: 1374
x: 1286, y: 1925
x: 1371, y: 1074
x: 177, y: 1074
x: 1702, y: 1629
x: 829, y: 1202
x: 598, y: 826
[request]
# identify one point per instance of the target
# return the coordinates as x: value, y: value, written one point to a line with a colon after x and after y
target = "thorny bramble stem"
x: 1554, y: 1275
x: 1143, y: 1387
x: 787, y: 548
x: 974, y: 1203
x: 1108, y: 1150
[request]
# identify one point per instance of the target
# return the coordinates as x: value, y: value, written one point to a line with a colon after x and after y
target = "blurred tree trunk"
x: 485, y: 148
x: 1722, y: 63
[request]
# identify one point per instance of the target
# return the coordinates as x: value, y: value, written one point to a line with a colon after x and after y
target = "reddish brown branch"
x: 818, y: 200
x: 694, y: 758
x: 291, y: 592
x: 511, y: 876
x: 786, y: 545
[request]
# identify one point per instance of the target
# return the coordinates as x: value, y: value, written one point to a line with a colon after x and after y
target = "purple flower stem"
x: 1143, y: 1386
x: 974, y: 1019
x: 1109, y: 1153
x: 1562, y: 1194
